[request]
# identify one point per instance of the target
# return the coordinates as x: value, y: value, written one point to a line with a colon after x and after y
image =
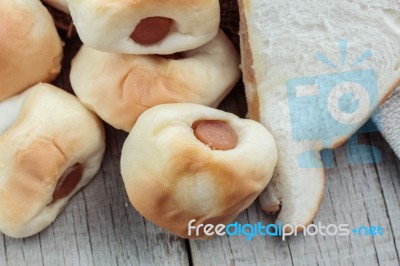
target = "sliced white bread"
x: 314, y: 72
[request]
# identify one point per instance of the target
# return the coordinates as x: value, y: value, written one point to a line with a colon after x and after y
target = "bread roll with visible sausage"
x: 120, y: 87
x: 51, y: 146
x: 145, y: 26
x: 30, y: 48
x: 187, y: 161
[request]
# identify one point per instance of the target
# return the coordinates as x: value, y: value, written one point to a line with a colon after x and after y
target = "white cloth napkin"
x: 387, y: 119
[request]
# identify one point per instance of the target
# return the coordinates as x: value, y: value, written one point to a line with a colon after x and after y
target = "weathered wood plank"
x: 389, y: 177
x: 3, y: 251
x: 354, y: 196
x: 238, y: 251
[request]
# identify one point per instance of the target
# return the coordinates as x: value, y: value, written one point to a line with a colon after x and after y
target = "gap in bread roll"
x: 175, y: 56
x: 60, y: 5
x: 9, y: 111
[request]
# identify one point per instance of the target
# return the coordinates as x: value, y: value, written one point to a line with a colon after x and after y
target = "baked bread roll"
x: 145, y: 26
x: 59, y: 4
x: 30, y: 48
x: 187, y: 161
x: 120, y: 87
x: 314, y: 73
x: 51, y: 147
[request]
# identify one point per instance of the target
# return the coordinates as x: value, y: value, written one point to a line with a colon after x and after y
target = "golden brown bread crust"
x: 249, y: 77
x: 30, y: 50
x: 32, y: 179
x: 165, y: 207
x: 138, y: 89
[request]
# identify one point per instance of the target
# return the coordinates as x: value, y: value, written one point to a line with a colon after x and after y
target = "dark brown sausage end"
x: 68, y: 182
x: 151, y: 30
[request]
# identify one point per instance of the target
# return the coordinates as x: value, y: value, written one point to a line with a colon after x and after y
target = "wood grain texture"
x: 99, y: 226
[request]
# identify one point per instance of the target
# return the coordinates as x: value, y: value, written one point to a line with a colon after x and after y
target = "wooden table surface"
x: 100, y: 227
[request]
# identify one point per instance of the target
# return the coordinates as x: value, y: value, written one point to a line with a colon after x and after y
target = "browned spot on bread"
x: 142, y: 89
x: 36, y: 170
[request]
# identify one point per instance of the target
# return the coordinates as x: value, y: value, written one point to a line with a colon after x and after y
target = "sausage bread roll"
x: 187, y: 161
x: 120, y: 87
x: 145, y: 26
x: 50, y: 147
